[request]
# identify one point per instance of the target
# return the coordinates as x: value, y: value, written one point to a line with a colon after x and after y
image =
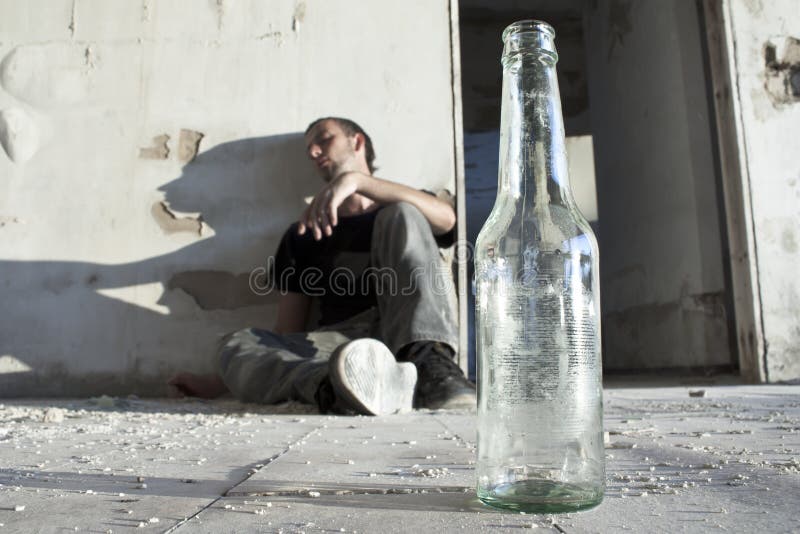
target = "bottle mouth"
x: 533, y: 39
x: 528, y: 26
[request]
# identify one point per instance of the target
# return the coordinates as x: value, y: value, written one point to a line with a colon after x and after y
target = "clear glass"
x: 540, y: 409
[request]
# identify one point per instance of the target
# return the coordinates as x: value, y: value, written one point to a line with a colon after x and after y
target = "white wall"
x: 91, y: 264
x: 768, y: 121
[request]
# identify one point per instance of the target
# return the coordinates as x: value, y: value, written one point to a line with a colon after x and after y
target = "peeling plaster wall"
x: 766, y: 59
x: 151, y: 156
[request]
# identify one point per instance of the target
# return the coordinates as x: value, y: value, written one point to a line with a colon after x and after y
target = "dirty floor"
x: 725, y: 461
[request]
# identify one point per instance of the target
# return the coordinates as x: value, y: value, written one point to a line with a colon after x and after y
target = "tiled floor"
x: 729, y: 460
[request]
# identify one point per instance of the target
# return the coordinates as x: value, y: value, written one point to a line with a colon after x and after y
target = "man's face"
x: 331, y: 150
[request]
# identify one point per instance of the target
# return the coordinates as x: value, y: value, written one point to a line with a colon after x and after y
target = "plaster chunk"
x: 159, y: 150
x: 18, y: 134
x: 172, y: 222
x: 189, y: 145
x: 782, y: 76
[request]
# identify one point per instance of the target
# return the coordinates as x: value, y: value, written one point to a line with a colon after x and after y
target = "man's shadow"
x: 79, y: 328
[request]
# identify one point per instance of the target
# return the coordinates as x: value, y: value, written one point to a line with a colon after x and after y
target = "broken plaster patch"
x: 172, y: 222
x: 782, y: 73
x: 19, y: 136
x: 159, y: 150
x: 218, y: 290
x: 299, y: 16
x: 189, y: 145
x: 47, y: 74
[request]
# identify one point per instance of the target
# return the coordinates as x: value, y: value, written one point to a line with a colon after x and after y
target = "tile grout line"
x: 464, y: 442
x: 249, y: 474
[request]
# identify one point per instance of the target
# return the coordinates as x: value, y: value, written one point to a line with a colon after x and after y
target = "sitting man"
x: 369, y: 249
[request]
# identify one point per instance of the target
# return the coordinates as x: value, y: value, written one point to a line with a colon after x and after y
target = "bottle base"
x: 541, y: 497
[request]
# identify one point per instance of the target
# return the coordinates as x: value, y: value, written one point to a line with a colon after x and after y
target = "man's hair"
x: 351, y: 128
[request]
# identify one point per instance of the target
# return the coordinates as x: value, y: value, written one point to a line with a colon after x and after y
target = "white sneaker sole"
x: 366, y: 376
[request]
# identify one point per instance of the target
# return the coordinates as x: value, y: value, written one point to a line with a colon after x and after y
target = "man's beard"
x: 333, y: 170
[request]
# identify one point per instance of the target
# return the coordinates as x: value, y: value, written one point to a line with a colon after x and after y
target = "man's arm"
x: 440, y: 214
x: 322, y: 215
x: 293, y: 311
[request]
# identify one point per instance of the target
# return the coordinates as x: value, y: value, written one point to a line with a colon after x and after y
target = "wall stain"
x: 159, y: 150
x: 73, y: 18
x: 619, y: 23
x: 220, y: 290
x: 172, y: 223
x: 700, y: 319
x: 220, y: 5
x: 5, y: 219
x: 754, y: 6
x: 276, y: 36
x: 145, y: 10
x: 90, y: 56
x: 789, y: 241
x: 782, y: 70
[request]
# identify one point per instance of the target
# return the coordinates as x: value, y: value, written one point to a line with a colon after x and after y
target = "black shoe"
x: 365, y: 378
x: 441, y: 384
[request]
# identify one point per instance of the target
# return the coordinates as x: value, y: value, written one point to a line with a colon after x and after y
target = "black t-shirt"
x: 331, y: 268
x: 336, y: 268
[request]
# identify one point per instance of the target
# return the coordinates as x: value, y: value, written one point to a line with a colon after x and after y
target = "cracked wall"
x: 766, y: 51
x: 150, y: 160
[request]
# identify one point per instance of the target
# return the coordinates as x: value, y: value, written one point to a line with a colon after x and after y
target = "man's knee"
x: 402, y: 213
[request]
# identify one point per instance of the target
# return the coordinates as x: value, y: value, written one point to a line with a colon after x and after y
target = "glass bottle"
x: 540, y: 410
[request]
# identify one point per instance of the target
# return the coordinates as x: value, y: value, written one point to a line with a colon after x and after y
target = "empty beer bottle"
x: 540, y: 412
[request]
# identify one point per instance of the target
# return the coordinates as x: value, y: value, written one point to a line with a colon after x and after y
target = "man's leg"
x: 334, y: 368
x: 416, y: 301
x: 421, y: 305
x: 260, y: 366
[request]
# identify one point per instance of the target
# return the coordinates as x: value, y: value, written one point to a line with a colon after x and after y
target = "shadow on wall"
x: 83, y: 328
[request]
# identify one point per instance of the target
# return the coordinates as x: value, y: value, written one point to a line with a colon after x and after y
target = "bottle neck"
x: 533, y: 161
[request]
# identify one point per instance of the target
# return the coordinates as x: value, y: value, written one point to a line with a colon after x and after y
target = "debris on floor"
x: 729, y: 458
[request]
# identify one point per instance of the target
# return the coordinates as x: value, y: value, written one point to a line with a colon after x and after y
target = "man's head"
x: 337, y: 145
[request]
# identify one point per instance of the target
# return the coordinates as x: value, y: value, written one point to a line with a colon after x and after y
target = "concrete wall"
x: 662, y: 267
x: 763, y: 46
x: 152, y: 157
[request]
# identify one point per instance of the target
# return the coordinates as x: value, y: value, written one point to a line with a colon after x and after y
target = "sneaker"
x: 441, y: 384
x: 366, y: 379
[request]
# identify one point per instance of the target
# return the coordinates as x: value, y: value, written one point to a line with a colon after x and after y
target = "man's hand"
x: 323, y: 213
